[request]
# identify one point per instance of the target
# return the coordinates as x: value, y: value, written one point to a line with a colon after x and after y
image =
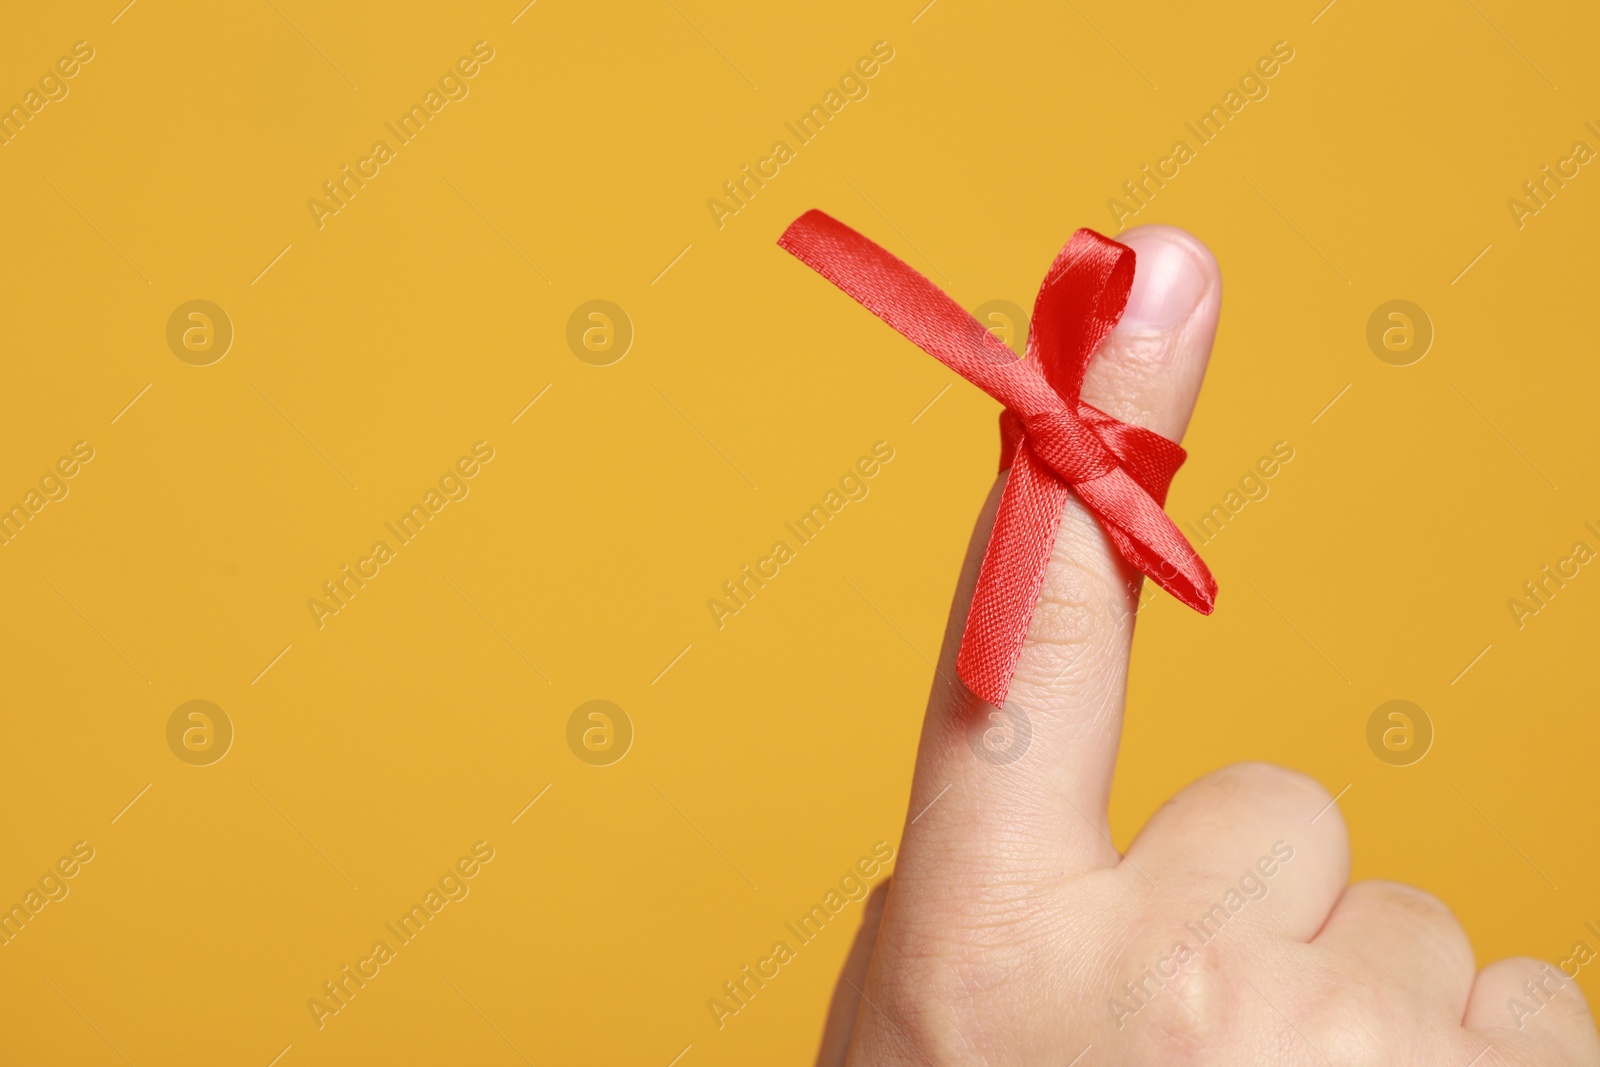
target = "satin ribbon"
x: 1054, y: 444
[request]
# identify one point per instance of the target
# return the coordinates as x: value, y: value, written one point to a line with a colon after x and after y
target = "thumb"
x: 1027, y: 785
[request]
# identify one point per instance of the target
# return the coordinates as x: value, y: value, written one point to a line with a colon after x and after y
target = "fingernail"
x: 1167, y: 282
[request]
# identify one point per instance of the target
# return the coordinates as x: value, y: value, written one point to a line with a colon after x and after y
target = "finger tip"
x: 1151, y: 235
x: 1174, y: 275
x: 1150, y: 370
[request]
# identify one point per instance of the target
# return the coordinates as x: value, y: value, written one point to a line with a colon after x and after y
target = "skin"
x: 1012, y: 921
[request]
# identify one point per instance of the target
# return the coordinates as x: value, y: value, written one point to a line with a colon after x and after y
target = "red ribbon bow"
x: 1053, y: 443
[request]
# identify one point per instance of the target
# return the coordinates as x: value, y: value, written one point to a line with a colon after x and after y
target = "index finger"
x: 1023, y: 789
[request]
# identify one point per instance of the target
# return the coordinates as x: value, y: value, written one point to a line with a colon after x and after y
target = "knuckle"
x: 1539, y: 995
x: 1513, y: 970
x: 1083, y: 593
x: 1356, y: 1026
x: 942, y: 996
x: 1126, y: 377
x: 1268, y: 783
x: 1067, y: 618
x: 1424, y: 917
x: 1082, y: 619
x: 1197, y: 1014
x: 1170, y: 998
x: 1417, y: 904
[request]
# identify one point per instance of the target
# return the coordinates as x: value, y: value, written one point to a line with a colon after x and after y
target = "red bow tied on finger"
x: 1053, y: 443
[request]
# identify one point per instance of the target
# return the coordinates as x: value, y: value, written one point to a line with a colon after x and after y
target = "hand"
x: 1014, y: 932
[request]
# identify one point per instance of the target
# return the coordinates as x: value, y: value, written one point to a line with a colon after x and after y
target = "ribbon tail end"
x: 981, y: 680
x: 808, y: 221
x: 1196, y: 591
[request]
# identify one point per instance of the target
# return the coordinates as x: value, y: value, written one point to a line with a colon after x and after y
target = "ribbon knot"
x: 1067, y: 445
x: 1053, y: 444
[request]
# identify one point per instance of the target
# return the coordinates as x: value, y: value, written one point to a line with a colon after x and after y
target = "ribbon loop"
x: 1053, y: 444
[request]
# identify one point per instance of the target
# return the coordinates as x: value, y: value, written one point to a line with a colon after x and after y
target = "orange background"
x: 371, y: 353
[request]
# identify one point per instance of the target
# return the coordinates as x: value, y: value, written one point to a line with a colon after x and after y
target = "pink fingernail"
x: 1167, y: 282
